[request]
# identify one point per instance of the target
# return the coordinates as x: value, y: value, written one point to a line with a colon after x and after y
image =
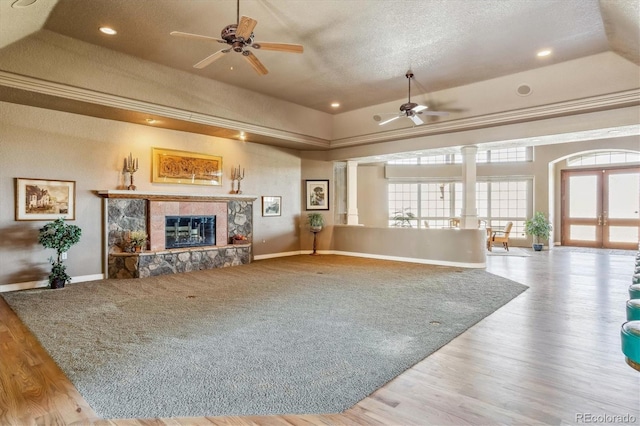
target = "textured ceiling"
x: 356, y: 52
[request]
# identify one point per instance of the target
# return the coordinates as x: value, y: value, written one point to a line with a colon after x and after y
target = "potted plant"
x: 59, y: 236
x: 403, y: 218
x: 539, y: 228
x: 137, y: 240
x: 316, y: 221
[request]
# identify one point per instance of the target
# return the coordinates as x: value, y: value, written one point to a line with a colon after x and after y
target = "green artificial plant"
x: 59, y: 236
x: 403, y: 218
x: 316, y: 220
x: 538, y: 227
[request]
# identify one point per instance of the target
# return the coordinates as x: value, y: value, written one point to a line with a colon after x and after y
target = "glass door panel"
x: 581, y: 208
x: 621, y: 208
x: 623, y: 234
x: 583, y: 200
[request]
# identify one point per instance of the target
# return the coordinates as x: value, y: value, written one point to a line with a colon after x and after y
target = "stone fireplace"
x: 186, y: 232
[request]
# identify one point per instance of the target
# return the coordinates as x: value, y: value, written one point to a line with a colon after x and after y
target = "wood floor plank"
x: 545, y: 358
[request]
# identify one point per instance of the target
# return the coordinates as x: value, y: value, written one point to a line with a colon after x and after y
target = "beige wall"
x: 45, y: 144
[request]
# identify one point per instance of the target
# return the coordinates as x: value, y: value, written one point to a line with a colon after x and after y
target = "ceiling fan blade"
x: 279, y: 47
x: 255, y: 62
x: 211, y: 58
x: 389, y: 120
x: 245, y: 27
x: 440, y: 113
x: 419, y: 108
x: 195, y: 36
x: 416, y: 120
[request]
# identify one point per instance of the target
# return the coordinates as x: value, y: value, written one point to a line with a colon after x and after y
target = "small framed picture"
x: 271, y: 206
x: 317, y: 194
x: 44, y: 199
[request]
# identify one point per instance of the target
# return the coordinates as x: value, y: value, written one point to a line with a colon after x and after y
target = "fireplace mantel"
x: 172, y: 196
x: 126, y: 211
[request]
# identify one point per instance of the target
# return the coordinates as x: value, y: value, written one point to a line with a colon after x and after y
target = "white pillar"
x: 352, y: 193
x: 469, y: 217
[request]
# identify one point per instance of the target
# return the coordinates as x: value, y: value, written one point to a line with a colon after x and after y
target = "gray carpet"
x: 303, y: 334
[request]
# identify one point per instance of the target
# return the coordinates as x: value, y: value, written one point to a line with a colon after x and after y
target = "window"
x: 492, y: 156
x: 432, y: 204
x: 403, y: 205
x: 508, y: 155
x: 599, y: 158
x: 404, y: 161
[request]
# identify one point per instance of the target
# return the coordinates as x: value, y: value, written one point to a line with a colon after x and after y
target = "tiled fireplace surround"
x: 159, y: 209
x: 129, y: 210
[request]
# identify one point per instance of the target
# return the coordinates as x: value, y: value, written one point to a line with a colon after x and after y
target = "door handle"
x: 600, y: 219
x: 605, y: 218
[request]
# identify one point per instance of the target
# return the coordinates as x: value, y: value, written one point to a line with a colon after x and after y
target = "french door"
x: 601, y: 207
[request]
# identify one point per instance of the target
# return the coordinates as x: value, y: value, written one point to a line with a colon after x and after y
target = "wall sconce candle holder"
x: 236, y: 175
x: 130, y: 166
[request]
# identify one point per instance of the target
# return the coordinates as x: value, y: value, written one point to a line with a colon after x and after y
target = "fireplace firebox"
x: 189, y: 231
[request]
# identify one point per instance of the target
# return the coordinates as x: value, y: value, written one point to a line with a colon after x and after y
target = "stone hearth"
x: 131, y: 210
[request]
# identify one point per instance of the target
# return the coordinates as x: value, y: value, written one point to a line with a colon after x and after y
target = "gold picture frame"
x: 45, y: 199
x: 183, y: 167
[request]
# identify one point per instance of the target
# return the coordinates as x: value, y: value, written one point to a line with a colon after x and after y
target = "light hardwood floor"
x: 550, y: 356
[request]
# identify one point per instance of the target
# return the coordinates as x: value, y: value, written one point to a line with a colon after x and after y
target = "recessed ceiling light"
x: 545, y: 52
x: 150, y: 120
x: 108, y: 31
x: 335, y: 105
x: 242, y: 136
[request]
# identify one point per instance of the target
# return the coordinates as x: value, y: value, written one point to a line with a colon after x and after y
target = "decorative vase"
x: 537, y: 246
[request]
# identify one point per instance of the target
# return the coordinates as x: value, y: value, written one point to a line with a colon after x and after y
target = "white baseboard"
x: 413, y: 260
x: 376, y: 256
x: 272, y: 255
x: 45, y: 283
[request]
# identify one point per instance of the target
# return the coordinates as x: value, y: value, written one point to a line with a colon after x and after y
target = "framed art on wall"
x: 317, y: 194
x: 271, y: 206
x: 191, y: 168
x: 45, y: 199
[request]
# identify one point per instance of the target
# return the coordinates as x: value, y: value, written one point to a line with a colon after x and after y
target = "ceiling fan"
x: 239, y: 37
x: 410, y: 109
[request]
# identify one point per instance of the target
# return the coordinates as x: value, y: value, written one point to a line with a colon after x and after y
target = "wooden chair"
x: 496, y: 236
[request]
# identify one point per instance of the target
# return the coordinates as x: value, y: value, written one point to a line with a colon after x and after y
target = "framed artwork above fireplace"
x: 183, y: 167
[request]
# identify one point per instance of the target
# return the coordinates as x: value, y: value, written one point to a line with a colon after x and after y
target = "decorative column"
x: 469, y: 217
x: 352, y: 193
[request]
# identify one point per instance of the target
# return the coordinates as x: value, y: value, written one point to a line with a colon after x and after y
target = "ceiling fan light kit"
x: 239, y: 37
x: 410, y: 109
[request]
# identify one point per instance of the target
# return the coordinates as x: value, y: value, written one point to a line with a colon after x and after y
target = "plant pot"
x: 316, y: 228
x: 537, y: 246
x: 57, y: 283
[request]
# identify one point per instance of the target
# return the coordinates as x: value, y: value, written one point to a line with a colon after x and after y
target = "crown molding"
x: 577, y: 106
x: 49, y: 88
x: 302, y: 142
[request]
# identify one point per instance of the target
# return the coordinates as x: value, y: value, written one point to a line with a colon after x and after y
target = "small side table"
x: 315, y: 230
